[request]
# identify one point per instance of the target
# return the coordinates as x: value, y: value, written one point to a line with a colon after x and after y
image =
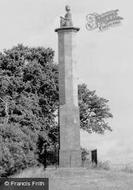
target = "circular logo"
x: 91, y: 21
x: 6, y: 183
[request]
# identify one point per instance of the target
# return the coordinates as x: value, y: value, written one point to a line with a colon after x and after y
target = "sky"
x: 104, y: 62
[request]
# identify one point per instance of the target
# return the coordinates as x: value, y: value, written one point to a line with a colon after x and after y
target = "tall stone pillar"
x: 69, y: 153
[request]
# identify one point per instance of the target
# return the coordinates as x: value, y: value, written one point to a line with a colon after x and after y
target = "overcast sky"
x: 105, y: 59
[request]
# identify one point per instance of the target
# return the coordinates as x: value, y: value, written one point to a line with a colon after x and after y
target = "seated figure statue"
x: 67, y: 20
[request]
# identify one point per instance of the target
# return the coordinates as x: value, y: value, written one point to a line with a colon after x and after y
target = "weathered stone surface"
x: 69, y: 128
x: 70, y: 158
x: 69, y: 154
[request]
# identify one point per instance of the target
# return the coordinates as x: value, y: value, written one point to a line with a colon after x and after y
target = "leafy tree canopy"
x: 94, y: 111
x: 29, y: 100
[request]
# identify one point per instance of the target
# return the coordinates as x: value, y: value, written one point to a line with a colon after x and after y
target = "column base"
x: 70, y: 158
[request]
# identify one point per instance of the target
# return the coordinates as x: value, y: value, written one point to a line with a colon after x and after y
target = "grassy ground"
x: 83, y: 179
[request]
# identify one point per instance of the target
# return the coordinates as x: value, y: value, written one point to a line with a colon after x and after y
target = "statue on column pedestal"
x: 67, y: 20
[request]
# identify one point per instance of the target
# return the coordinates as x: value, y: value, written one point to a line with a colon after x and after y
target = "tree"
x: 29, y: 100
x: 94, y: 111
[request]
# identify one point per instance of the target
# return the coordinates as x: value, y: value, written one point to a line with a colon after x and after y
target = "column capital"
x: 66, y: 29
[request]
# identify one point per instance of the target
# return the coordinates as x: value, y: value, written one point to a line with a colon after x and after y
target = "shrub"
x: 100, y: 165
x: 103, y: 165
x: 17, y: 151
x: 128, y: 168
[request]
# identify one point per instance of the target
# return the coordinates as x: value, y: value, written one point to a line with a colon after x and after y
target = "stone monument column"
x: 69, y: 153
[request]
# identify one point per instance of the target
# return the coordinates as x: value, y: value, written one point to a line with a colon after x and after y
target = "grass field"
x: 83, y: 179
